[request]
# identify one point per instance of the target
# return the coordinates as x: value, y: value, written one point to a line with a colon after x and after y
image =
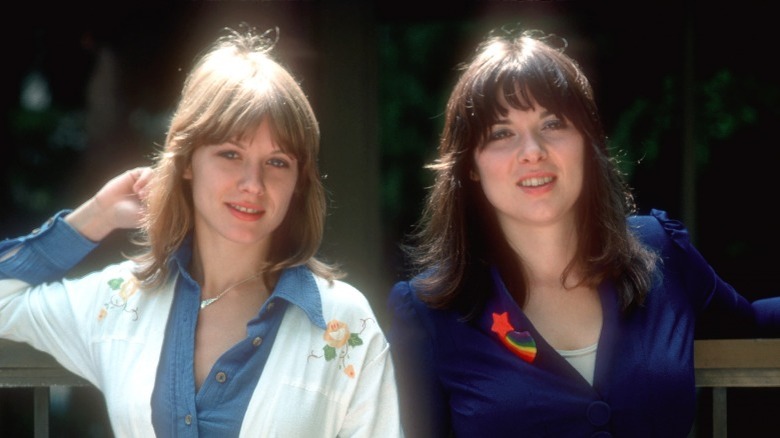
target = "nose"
x: 531, y: 150
x: 251, y: 180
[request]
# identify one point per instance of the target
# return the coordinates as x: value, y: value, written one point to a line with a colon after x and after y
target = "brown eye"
x: 554, y: 124
x: 499, y: 134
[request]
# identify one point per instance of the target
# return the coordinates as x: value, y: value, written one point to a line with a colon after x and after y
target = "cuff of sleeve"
x: 61, y: 244
x: 49, y: 251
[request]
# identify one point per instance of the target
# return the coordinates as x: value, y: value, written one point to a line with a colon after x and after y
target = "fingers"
x: 142, y: 176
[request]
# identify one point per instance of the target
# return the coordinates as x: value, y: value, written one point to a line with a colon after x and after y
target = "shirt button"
x: 221, y: 377
x: 269, y: 307
x: 257, y: 341
x: 599, y: 413
x: 188, y: 419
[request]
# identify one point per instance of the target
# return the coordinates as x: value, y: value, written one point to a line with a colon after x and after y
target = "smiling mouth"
x: 244, y: 209
x: 535, y: 182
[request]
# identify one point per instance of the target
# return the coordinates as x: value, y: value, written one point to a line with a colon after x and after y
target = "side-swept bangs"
x: 228, y: 97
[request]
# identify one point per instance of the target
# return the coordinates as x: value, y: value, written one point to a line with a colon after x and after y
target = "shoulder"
x: 106, y: 278
x: 339, y: 292
x: 404, y: 297
x: 112, y: 299
x: 658, y: 231
x: 409, y: 312
x: 342, y: 302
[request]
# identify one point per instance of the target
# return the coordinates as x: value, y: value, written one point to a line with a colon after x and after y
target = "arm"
x: 50, y: 251
x: 117, y: 205
x: 722, y: 311
x: 36, y: 305
x: 424, y: 405
x: 768, y: 316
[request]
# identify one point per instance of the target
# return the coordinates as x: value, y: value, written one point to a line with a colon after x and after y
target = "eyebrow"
x: 277, y: 150
x: 505, y: 121
x: 235, y: 143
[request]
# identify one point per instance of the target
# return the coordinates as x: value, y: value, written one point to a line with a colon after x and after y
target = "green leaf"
x: 330, y: 352
x: 354, y: 340
x: 115, y: 283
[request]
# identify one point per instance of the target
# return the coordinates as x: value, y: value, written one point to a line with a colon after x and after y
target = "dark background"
x: 669, y: 76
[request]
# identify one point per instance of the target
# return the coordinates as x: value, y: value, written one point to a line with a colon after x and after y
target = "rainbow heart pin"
x: 520, y: 343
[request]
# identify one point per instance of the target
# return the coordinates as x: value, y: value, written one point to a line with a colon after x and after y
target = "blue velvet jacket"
x: 457, y: 377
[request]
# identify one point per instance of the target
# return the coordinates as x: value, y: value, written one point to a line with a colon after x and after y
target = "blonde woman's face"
x: 242, y: 188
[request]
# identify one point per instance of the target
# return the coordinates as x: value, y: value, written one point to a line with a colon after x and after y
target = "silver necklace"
x: 209, y: 301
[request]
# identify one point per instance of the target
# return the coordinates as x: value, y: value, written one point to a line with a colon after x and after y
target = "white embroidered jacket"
x: 104, y: 328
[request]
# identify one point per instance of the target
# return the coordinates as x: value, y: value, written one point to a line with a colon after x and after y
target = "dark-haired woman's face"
x: 531, y: 168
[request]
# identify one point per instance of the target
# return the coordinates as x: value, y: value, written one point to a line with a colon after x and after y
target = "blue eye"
x: 230, y: 155
x: 278, y: 162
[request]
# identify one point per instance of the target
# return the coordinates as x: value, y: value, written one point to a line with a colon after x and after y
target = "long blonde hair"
x: 232, y: 88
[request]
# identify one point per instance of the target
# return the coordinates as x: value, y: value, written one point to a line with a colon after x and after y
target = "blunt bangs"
x: 524, y: 73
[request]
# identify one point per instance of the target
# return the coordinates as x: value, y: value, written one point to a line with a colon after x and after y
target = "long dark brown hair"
x: 458, y: 238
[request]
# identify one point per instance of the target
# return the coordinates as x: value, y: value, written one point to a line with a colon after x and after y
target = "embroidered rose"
x: 336, y: 334
x: 123, y: 289
x: 128, y: 289
x: 338, y: 342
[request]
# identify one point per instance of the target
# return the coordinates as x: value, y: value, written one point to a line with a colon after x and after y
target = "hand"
x: 119, y: 204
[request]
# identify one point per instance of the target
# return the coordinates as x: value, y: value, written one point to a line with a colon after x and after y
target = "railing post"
x: 41, y: 412
x: 719, y: 412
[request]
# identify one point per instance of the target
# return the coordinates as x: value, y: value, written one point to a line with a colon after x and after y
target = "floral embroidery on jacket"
x: 124, y: 290
x: 338, y: 341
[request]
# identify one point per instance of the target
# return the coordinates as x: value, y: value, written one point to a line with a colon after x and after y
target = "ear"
x: 187, y: 174
x: 474, y: 176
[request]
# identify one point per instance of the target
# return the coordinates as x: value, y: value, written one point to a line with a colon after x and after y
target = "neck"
x: 217, y: 267
x: 544, y: 251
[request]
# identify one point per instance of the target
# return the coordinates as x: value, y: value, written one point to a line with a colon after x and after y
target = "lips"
x: 535, y: 181
x: 243, y: 209
x: 245, y: 212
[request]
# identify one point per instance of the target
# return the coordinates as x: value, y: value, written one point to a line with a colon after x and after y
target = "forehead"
x: 515, y: 97
x: 263, y: 131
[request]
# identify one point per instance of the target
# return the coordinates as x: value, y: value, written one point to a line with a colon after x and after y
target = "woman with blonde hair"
x: 225, y: 323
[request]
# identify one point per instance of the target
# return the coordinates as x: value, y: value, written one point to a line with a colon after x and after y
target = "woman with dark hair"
x: 225, y: 324
x: 543, y: 305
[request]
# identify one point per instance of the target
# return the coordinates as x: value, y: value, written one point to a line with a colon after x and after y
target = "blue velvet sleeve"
x: 45, y: 254
x: 424, y: 406
x: 723, y: 312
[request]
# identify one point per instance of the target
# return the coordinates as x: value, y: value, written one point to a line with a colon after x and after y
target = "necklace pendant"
x: 206, y: 302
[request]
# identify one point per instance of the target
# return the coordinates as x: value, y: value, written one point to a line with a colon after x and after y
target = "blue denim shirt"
x: 217, y: 409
